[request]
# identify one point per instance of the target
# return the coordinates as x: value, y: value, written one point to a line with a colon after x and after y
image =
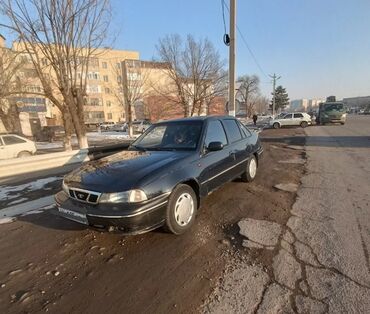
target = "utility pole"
x: 232, y: 58
x: 274, y: 79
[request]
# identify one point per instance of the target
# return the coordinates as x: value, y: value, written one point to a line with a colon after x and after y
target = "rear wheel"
x: 24, y: 154
x: 181, y: 209
x: 251, y: 170
x: 304, y: 124
x: 276, y: 125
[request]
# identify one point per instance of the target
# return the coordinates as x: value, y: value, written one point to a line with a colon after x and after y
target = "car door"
x: 216, y: 163
x: 237, y: 148
x: 13, y: 145
x: 298, y: 118
x: 287, y: 120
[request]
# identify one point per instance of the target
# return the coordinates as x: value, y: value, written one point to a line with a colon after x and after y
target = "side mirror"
x: 214, y: 146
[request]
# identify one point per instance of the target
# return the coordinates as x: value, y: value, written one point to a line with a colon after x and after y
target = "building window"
x: 44, y: 61
x: 34, y: 89
x: 104, y: 65
x: 105, y: 78
x: 94, y: 62
x: 119, y: 78
x: 107, y: 90
x: 93, y: 102
x: 118, y: 65
x: 93, y: 75
x: 93, y: 89
x: 108, y: 103
x: 109, y: 116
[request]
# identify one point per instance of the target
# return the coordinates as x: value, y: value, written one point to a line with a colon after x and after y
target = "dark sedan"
x: 163, y: 176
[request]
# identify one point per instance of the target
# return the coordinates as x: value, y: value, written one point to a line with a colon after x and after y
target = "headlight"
x: 133, y: 196
x: 344, y: 115
x: 65, y: 188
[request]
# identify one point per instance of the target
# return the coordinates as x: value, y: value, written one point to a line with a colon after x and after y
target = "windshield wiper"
x: 139, y: 148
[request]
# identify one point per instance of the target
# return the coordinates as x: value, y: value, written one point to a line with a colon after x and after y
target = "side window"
x: 215, y: 133
x: 288, y: 116
x: 232, y: 130
x: 298, y: 115
x: 10, y: 140
x: 245, y: 131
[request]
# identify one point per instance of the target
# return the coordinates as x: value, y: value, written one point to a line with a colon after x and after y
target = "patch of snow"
x: 15, y: 191
x: 32, y: 212
x: 19, y: 200
x: 96, y: 136
x: 7, y: 220
x: 47, y: 145
x: 48, y: 207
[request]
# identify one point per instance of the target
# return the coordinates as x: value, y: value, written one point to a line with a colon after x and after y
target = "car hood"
x: 122, y: 171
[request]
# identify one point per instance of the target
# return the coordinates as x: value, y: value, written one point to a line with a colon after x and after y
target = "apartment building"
x: 103, y: 89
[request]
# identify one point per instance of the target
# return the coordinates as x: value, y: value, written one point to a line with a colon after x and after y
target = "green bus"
x: 332, y: 112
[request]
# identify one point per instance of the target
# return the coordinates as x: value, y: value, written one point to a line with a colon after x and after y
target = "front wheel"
x: 181, y: 209
x: 276, y: 125
x: 251, y: 170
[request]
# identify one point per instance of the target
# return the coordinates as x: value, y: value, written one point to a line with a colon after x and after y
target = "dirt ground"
x: 51, y: 264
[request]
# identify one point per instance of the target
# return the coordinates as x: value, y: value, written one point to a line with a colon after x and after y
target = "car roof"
x: 198, y: 118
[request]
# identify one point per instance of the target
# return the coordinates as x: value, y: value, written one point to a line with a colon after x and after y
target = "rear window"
x: 298, y: 115
x: 232, y: 130
x: 245, y: 131
x: 10, y: 140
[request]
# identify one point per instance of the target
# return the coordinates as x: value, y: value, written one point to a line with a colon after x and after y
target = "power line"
x: 223, y: 15
x: 246, y: 43
x: 226, y: 37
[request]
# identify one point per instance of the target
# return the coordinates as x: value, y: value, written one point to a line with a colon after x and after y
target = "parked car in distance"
x: 106, y: 126
x: 163, y: 177
x: 15, y: 146
x: 292, y: 119
x: 50, y: 133
x: 119, y: 127
x: 140, y: 126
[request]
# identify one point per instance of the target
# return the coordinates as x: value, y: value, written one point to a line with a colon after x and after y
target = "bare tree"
x: 10, y: 84
x: 132, y: 81
x: 194, y: 69
x: 248, y: 92
x: 62, y: 38
x: 261, y: 104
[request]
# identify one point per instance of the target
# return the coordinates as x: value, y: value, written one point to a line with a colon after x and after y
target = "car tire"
x: 304, y: 124
x: 342, y: 123
x: 181, y: 209
x: 251, y: 170
x: 24, y: 154
x: 276, y: 125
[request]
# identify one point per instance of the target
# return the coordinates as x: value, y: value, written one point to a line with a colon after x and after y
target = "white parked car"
x: 13, y: 146
x: 291, y: 119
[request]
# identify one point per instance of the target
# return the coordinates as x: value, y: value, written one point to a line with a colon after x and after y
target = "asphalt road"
x: 321, y: 255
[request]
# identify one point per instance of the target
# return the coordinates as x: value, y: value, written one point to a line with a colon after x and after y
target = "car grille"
x: 84, y: 195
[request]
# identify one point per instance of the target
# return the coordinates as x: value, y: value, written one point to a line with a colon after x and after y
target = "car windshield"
x: 334, y: 107
x: 171, y: 136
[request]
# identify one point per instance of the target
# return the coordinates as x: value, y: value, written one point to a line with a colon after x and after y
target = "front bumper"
x: 127, y: 218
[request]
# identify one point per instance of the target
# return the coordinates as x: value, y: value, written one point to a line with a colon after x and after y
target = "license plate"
x: 72, y: 215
